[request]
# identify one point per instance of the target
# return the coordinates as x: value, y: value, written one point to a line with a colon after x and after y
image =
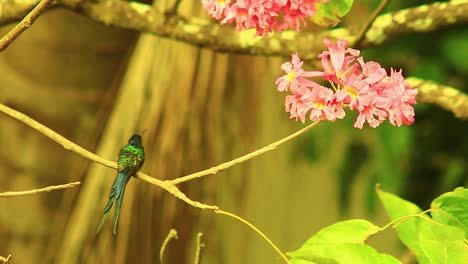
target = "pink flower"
x: 265, y: 16
x: 399, y: 98
x: 299, y: 103
x: 216, y: 8
x: 374, y: 116
x: 324, y: 105
x: 336, y: 60
x: 295, y: 75
x: 361, y: 86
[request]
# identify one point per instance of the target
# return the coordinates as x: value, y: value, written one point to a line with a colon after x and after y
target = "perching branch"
x: 209, y: 34
x: 46, y: 189
x: 24, y: 24
x: 68, y: 145
x: 446, y: 97
x: 5, y: 260
x: 166, y: 185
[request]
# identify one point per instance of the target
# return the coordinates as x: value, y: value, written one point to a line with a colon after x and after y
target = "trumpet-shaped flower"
x: 358, y: 85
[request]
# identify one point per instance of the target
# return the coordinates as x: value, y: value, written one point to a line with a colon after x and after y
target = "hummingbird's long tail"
x: 116, y: 194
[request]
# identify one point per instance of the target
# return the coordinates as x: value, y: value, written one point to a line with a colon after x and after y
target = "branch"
x: 166, y: 185
x: 225, y: 165
x: 24, y: 24
x: 446, y: 97
x: 205, y: 33
x: 68, y: 145
x: 170, y: 236
x: 219, y: 211
x: 199, y: 249
x: 362, y: 33
x: 422, y: 18
x: 5, y: 260
x: 46, y: 189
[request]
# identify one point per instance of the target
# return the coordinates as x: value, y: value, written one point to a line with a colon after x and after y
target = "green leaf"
x: 314, y: 260
x: 443, y: 244
x: 351, y: 231
x: 348, y: 253
x: 408, y: 231
x: 452, y: 209
x: 330, y: 14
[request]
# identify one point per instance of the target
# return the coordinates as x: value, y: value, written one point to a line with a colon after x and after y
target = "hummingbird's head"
x: 135, y: 140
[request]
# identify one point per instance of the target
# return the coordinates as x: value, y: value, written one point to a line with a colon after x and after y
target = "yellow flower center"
x: 319, y: 105
x: 291, y: 76
x: 352, y: 91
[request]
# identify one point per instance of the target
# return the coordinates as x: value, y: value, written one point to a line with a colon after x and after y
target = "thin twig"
x: 67, y: 144
x: 225, y: 165
x: 170, y: 236
x: 200, y: 247
x: 219, y: 211
x: 46, y: 189
x: 173, y: 10
x: 24, y: 24
x: 362, y: 33
x: 5, y: 260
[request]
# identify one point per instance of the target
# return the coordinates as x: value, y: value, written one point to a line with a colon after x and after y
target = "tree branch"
x: 446, y: 97
x: 362, y: 33
x: 170, y: 236
x: 199, y: 249
x: 24, y: 24
x: 166, y: 185
x: 422, y: 18
x: 68, y: 145
x: 205, y: 33
x: 46, y: 189
x: 228, y: 164
x: 5, y: 260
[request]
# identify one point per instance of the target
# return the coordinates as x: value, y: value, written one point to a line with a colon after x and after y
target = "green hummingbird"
x: 130, y: 159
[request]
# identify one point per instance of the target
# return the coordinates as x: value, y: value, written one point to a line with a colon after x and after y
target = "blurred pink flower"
x: 265, y: 16
x: 216, y: 8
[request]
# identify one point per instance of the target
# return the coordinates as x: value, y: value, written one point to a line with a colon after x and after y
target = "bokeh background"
x: 97, y: 85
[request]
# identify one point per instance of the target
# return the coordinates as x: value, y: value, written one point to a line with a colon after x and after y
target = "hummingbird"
x: 130, y: 159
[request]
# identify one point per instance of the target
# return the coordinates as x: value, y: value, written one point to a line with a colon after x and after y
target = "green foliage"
x: 452, y: 209
x: 330, y: 14
x: 396, y: 208
x: 342, y: 242
x: 440, y: 239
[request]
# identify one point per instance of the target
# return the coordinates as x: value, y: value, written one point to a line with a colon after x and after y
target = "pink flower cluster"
x: 362, y: 86
x: 263, y: 15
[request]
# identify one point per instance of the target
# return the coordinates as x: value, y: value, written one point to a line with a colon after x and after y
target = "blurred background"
x: 98, y: 85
